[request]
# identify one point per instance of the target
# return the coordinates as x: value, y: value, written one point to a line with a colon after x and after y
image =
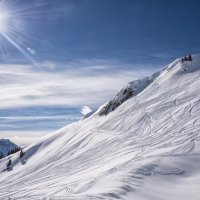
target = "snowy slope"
x: 148, y: 147
x: 6, y: 146
x: 130, y: 90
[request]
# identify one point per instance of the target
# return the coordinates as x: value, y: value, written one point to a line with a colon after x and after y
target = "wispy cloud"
x: 29, y: 118
x: 71, y: 84
x: 36, y: 100
x: 24, y: 138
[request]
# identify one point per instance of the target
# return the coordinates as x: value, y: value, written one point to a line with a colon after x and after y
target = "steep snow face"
x: 6, y: 146
x: 135, y: 87
x: 147, y: 148
x: 130, y: 90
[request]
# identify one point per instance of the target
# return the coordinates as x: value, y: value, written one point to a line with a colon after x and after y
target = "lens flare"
x: 15, y: 27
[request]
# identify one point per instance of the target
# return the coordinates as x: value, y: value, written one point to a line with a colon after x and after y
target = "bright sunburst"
x: 14, y: 25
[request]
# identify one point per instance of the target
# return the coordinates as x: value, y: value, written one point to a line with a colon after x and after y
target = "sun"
x: 15, y: 22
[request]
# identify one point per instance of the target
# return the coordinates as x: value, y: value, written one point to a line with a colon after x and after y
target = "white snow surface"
x: 148, y: 148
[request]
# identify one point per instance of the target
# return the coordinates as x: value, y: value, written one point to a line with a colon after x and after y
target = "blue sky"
x: 58, y: 56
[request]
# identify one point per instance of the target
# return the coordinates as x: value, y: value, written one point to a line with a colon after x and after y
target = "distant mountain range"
x: 6, y: 146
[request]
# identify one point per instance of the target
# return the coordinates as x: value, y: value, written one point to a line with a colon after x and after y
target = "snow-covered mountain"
x: 6, y: 146
x: 145, y: 145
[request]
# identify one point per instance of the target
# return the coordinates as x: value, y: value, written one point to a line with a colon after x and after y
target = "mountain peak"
x: 132, y: 89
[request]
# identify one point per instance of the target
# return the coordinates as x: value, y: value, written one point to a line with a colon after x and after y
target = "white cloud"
x: 48, y: 65
x: 85, y: 110
x: 73, y: 84
x: 29, y: 118
x: 24, y: 138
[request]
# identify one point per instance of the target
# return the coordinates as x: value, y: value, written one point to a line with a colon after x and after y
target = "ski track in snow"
x: 111, y: 157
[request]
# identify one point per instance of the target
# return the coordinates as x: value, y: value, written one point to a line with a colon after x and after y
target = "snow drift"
x: 146, y: 146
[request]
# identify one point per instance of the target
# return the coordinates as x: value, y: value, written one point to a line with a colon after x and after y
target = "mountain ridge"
x: 122, y: 96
